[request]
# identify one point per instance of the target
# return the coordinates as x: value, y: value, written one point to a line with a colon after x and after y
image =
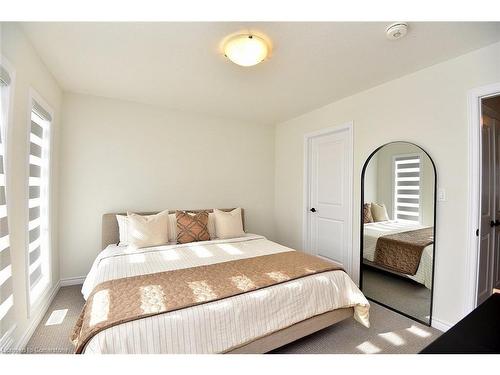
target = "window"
x: 407, y: 187
x: 38, y: 201
x: 6, y: 292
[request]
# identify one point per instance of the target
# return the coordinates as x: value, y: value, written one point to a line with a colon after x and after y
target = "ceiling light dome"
x: 246, y: 49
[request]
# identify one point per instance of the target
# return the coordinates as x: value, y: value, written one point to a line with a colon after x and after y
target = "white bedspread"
x: 220, y: 325
x: 372, y: 231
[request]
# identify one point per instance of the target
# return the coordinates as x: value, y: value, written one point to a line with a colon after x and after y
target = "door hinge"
x: 477, y: 232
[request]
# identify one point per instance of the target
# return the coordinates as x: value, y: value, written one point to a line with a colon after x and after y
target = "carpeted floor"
x: 55, y: 338
x: 404, y: 295
x: 389, y: 333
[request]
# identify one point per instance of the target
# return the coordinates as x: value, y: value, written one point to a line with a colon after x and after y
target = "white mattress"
x: 217, y: 326
x: 372, y: 231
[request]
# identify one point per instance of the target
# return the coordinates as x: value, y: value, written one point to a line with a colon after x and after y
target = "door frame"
x: 348, y: 126
x: 474, y: 98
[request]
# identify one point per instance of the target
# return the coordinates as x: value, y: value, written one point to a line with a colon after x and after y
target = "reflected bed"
x: 373, y: 231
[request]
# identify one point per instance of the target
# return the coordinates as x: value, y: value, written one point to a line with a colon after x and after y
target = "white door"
x: 495, y: 256
x: 329, y: 207
x: 487, y: 229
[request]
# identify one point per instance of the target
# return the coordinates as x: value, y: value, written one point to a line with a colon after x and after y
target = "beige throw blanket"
x: 401, y: 252
x: 122, y: 300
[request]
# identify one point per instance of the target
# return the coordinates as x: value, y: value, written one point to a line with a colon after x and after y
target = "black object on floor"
x: 477, y: 333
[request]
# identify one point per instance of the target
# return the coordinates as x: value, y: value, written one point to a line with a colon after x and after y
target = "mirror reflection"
x: 398, y: 229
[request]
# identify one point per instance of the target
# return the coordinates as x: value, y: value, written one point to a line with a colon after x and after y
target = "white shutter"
x: 407, y: 188
x: 6, y: 292
x: 38, y: 201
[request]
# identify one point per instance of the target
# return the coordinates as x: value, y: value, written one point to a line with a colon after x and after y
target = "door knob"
x: 493, y: 224
x: 312, y: 209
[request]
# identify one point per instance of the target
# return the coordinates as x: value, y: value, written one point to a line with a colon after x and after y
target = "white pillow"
x: 122, y: 229
x: 144, y: 231
x: 379, y: 212
x: 228, y: 224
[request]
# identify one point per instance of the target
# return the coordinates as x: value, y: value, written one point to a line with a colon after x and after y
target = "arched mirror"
x: 398, y: 211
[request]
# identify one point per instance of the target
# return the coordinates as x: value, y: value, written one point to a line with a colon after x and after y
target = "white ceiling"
x: 180, y: 66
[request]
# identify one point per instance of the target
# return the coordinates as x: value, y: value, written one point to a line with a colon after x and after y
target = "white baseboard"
x: 441, y: 325
x: 37, y: 318
x: 6, y: 341
x: 72, y: 281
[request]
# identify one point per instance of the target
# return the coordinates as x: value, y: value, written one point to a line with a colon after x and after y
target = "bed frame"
x: 110, y: 235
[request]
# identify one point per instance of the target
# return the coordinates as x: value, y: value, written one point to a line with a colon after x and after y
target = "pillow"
x: 172, y: 227
x: 367, y: 213
x: 122, y: 229
x: 192, y: 227
x: 228, y: 224
x: 144, y: 231
x: 379, y: 212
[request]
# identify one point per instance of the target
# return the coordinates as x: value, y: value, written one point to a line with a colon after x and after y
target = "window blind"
x: 6, y: 292
x: 38, y: 199
x: 4, y: 77
x: 407, y: 188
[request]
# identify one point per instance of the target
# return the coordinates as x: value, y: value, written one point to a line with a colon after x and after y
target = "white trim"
x: 72, y: 281
x: 441, y: 325
x: 34, y: 96
x: 41, y: 310
x: 474, y: 97
x: 305, y: 192
x: 7, y: 340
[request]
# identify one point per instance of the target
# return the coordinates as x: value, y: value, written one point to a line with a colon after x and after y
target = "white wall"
x: 30, y: 72
x: 429, y: 108
x: 118, y: 156
x: 371, y: 180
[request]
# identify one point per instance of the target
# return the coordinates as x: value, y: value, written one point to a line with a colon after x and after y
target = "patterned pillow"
x: 367, y: 213
x: 192, y: 227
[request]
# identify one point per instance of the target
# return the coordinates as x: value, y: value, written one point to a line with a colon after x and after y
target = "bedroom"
x: 139, y: 149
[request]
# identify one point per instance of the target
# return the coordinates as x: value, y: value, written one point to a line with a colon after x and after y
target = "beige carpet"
x: 55, y: 338
x: 389, y: 332
x: 404, y: 295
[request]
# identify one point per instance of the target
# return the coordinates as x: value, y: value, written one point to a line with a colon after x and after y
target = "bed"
x: 256, y: 321
x: 373, y: 231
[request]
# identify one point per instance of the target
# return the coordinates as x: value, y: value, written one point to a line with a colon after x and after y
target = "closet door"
x: 487, y: 229
x: 495, y: 282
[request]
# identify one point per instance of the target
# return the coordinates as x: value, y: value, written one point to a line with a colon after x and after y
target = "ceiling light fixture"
x: 246, y: 49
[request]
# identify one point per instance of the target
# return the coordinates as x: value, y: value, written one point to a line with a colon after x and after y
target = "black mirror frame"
x: 361, y: 239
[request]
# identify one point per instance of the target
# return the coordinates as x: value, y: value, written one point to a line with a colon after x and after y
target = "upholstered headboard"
x: 110, y: 234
